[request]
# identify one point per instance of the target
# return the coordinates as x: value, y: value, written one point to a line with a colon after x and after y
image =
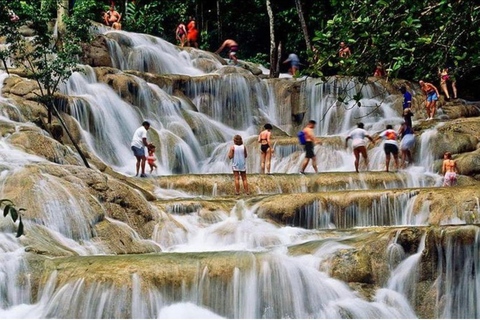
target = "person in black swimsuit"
x: 266, y: 147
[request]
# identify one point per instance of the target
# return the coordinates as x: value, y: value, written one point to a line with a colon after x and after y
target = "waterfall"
x: 96, y: 248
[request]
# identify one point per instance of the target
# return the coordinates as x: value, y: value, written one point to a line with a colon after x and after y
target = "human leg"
x: 143, y: 162
x: 387, y: 161
x: 304, y: 165
x: 427, y: 107
x: 314, y: 164
x: 443, y: 84
x: 269, y: 159
x: 245, y: 183
x: 454, y: 88
x: 363, y: 152
x: 356, y: 152
x: 262, y: 162
x: 236, y: 175
x: 139, y: 159
x: 433, y: 108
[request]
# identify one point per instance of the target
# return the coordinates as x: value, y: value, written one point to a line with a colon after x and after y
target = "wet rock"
x: 171, y: 82
x: 118, y: 239
x: 96, y: 53
x: 36, y: 143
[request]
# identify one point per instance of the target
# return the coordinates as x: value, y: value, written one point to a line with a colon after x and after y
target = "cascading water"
x: 221, y: 261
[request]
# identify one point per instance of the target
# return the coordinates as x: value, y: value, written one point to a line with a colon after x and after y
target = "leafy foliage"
x: 15, y: 213
x: 151, y: 18
x: 411, y: 38
x: 47, y: 57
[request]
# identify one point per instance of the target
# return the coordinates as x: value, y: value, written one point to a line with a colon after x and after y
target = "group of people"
x: 187, y: 35
x: 112, y: 18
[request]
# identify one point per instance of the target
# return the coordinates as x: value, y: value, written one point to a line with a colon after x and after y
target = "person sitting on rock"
x: 450, y: 170
x: 112, y: 18
x: 233, y: 48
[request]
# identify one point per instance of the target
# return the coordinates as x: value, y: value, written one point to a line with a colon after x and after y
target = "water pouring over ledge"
x: 262, y: 278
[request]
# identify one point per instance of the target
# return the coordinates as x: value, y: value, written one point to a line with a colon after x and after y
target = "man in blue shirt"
x: 407, y: 105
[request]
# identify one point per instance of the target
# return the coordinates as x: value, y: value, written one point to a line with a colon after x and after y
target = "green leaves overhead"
x: 411, y: 38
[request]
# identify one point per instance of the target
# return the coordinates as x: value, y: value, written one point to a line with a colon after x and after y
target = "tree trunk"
x: 62, y: 10
x: 219, y: 23
x: 51, y: 106
x: 272, y: 39
x: 279, y: 57
x: 298, y: 4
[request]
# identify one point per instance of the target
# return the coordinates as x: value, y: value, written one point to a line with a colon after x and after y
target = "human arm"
x: 119, y: 16
x: 346, y: 141
x: 443, y: 167
x: 220, y: 49
x: 370, y: 138
x: 230, y: 153
x: 455, y: 167
x: 245, y: 151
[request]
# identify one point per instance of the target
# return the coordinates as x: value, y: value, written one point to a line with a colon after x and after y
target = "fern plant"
x: 10, y: 208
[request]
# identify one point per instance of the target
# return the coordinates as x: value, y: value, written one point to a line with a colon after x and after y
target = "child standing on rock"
x: 238, y: 154
x: 151, y: 158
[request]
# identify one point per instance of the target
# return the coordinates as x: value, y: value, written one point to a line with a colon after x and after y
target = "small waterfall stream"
x: 211, y: 255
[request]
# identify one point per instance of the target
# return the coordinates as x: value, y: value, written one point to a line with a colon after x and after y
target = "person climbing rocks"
x: 294, y: 63
x: 310, y: 142
x: 432, y: 96
x: 344, y: 51
x: 406, y: 144
x: 192, y: 33
x: 446, y: 76
x: 407, y: 105
x: 359, y: 145
x: 266, y: 149
x: 238, y: 154
x: 181, y: 34
x: 139, y: 142
x: 112, y: 18
x: 232, y: 45
x: 450, y: 170
x: 390, y: 147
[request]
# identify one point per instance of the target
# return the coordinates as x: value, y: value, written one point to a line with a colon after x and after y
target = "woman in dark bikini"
x: 266, y: 147
x: 181, y: 34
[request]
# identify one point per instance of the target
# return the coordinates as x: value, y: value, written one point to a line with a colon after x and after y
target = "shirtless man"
x: 432, y: 96
x: 112, y: 18
x: 181, y: 34
x: 232, y: 46
x: 344, y: 51
x: 310, y: 142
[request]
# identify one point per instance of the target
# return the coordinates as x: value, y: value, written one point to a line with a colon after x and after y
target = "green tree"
x: 411, y: 38
x: 48, y: 58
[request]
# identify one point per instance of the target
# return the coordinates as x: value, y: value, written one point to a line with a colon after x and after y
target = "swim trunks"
x: 309, y: 149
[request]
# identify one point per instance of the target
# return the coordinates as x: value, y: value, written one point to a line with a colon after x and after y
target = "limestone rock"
x: 96, y: 53
x: 39, y: 144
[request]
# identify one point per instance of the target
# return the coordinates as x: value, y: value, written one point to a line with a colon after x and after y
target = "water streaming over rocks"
x: 100, y: 244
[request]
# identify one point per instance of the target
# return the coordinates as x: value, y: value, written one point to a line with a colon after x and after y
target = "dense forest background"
x: 411, y: 38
